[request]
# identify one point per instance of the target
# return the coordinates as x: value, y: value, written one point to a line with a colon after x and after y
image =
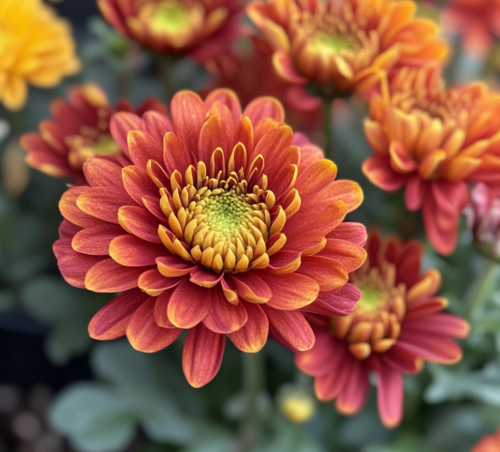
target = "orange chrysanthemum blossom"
x: 200, y: 28
x: 346, y: 45
x: 41, y: 57
x: 79, y: 131
x: 432, y: 141
x: 395, y: 327
x: 490, y: 443
x: 224, y: 223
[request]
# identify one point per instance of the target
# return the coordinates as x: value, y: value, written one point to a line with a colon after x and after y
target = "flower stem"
x: 165, y: 68
x: 253, y: 381
x: 484, y: 287
x: 329, y: 129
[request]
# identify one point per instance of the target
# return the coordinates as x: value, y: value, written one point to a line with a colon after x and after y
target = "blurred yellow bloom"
x: 36, y: 47
x: 297, y: 405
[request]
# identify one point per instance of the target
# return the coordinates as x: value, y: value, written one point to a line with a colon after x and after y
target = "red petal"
x: 432, y: 347
x: 253, y: 335
x: 111, y: 321
x: 378, y: 170
x: 71, y: 212
x: 202, y: 355
x: 265, y: 107
x: 445, y: 324
x: 351, y: 232
x: 290, y: 329
x: 251, y: 288
x: 131, y: 251
x: 188, y: 115
x: 154, y: 283
x: 143, y: 147
x: 188, y: 305
x: 205, y: 278
x: 350, y: 255
x: 224, y: 317
x: 329, y: 385
x: 228, y: 98
x: 285, y: 68
x: 72, y: 265
x: 390, y: 396
x: 329, y: 274
x: 95, y: 240
x: 144, y: 334
x: 103, y: 202
x: 321, y: 359
x: 173, y: 266
x: 138, y: 184
x: 353, y: 395
x: 400, y: 359
x: 101, y: 172
x: 139, y: 222
x: 68, y: 230
x: 337, y: 302
x: 291, y: 291
x: 108, y: 276
x: 415, y: 193
x: 120, y: 125
x: 157, y: 125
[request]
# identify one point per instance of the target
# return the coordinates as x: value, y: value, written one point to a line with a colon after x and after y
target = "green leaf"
x: 95, y: 417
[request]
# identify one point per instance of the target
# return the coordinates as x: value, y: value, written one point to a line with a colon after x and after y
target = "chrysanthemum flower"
x: 490, y: 443
x: 41, y: 57
x: 483, y: 219
x: 199, y: 28
x: 396, y: 325
x: 346, y: 45
x: 477, y: 21
x: 433, y: 140
x: 224, y: 223
x: 78, y: 132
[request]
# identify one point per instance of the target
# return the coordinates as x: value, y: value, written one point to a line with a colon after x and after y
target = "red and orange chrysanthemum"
x: 396, y: 325
x: 198, y: 28
x: 432, y: 141
x: 224, y: 223
x: 346, y: 45
x: 79, y: 131
x: 490, y: 443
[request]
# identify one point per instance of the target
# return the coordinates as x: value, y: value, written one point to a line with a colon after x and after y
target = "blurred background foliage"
x: 110, y: 398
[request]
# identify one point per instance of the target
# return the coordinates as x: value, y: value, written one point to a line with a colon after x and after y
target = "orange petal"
x: 329, y: 274
x: 428, y: 285
x: 131, y: 251
x: 350, y: 255
x: 253, y: 335
x: 107, y: 276
x: 95, y: 240
x: 202, y: 355
x: 224, y: 317
x: 291, y: 291
x: 285, y: 68
x: 188, y: 305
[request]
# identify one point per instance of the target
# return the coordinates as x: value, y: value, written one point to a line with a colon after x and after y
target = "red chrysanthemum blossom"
x: 396, y: 325
x: 490, y: 443
x: 199, y: 28
x: 78, y: 132
x: 433, y: 140
x: 477, y: 21
x: 224, y: 223
x: 345, y: 45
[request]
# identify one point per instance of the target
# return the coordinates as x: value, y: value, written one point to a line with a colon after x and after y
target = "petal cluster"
x: 223, y: 223
x: 41, y: 57
x: 396, y: 325
x: 78, y: 131
x: 432, y: 141
x: 346, y: 45
x: 200, y: 28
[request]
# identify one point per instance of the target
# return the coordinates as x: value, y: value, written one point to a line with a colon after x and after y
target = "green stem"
x: 484, y: 287
x: 329, y: 131
x: 165, y: 68
x: 253, y: 381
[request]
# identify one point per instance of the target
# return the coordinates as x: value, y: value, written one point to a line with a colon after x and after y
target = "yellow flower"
x: 36, y: 47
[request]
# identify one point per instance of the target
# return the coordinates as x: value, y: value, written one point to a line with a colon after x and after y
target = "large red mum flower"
x: 432, y: 141
x: 78, y: 132
x: 200, y: 28
x: 396, y: 324
x: 224, y: 223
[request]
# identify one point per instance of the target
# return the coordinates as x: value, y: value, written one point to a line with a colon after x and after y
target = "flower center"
x: 93, y: 143
x: 168, y: 16
x: 329, y: 43
x: 219, y: 222
x: 374, y: 325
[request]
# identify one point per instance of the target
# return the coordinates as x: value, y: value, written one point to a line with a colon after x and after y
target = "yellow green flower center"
x: 106, y: 145
x: 170, y: 16
x: 329, y: 43
x: 370, y: 298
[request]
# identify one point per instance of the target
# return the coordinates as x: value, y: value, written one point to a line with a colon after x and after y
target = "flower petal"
x: 350, y: 255
x: 111, y: 321
x: 329, y: 274
x: 144, y: 334
x: 103, y: 202
x: 336, y: 302
x: 71, y: 212
x: 131, y: 251
x: 95, y: 240
x: 202, y: 355
x: 100, y: 172
x: 291, y: 291
x: 265, y: 107
x: 352, y: 397
x: 250, y: 287
x: 189, y: 305
x: 252, y: 336
x: 224, y: 317
x: 390, y: 396
x: 120, y: 125
x: 139, y: 222
x: 107, y: 276
x: 154, y: 283
x: 321, y: 359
